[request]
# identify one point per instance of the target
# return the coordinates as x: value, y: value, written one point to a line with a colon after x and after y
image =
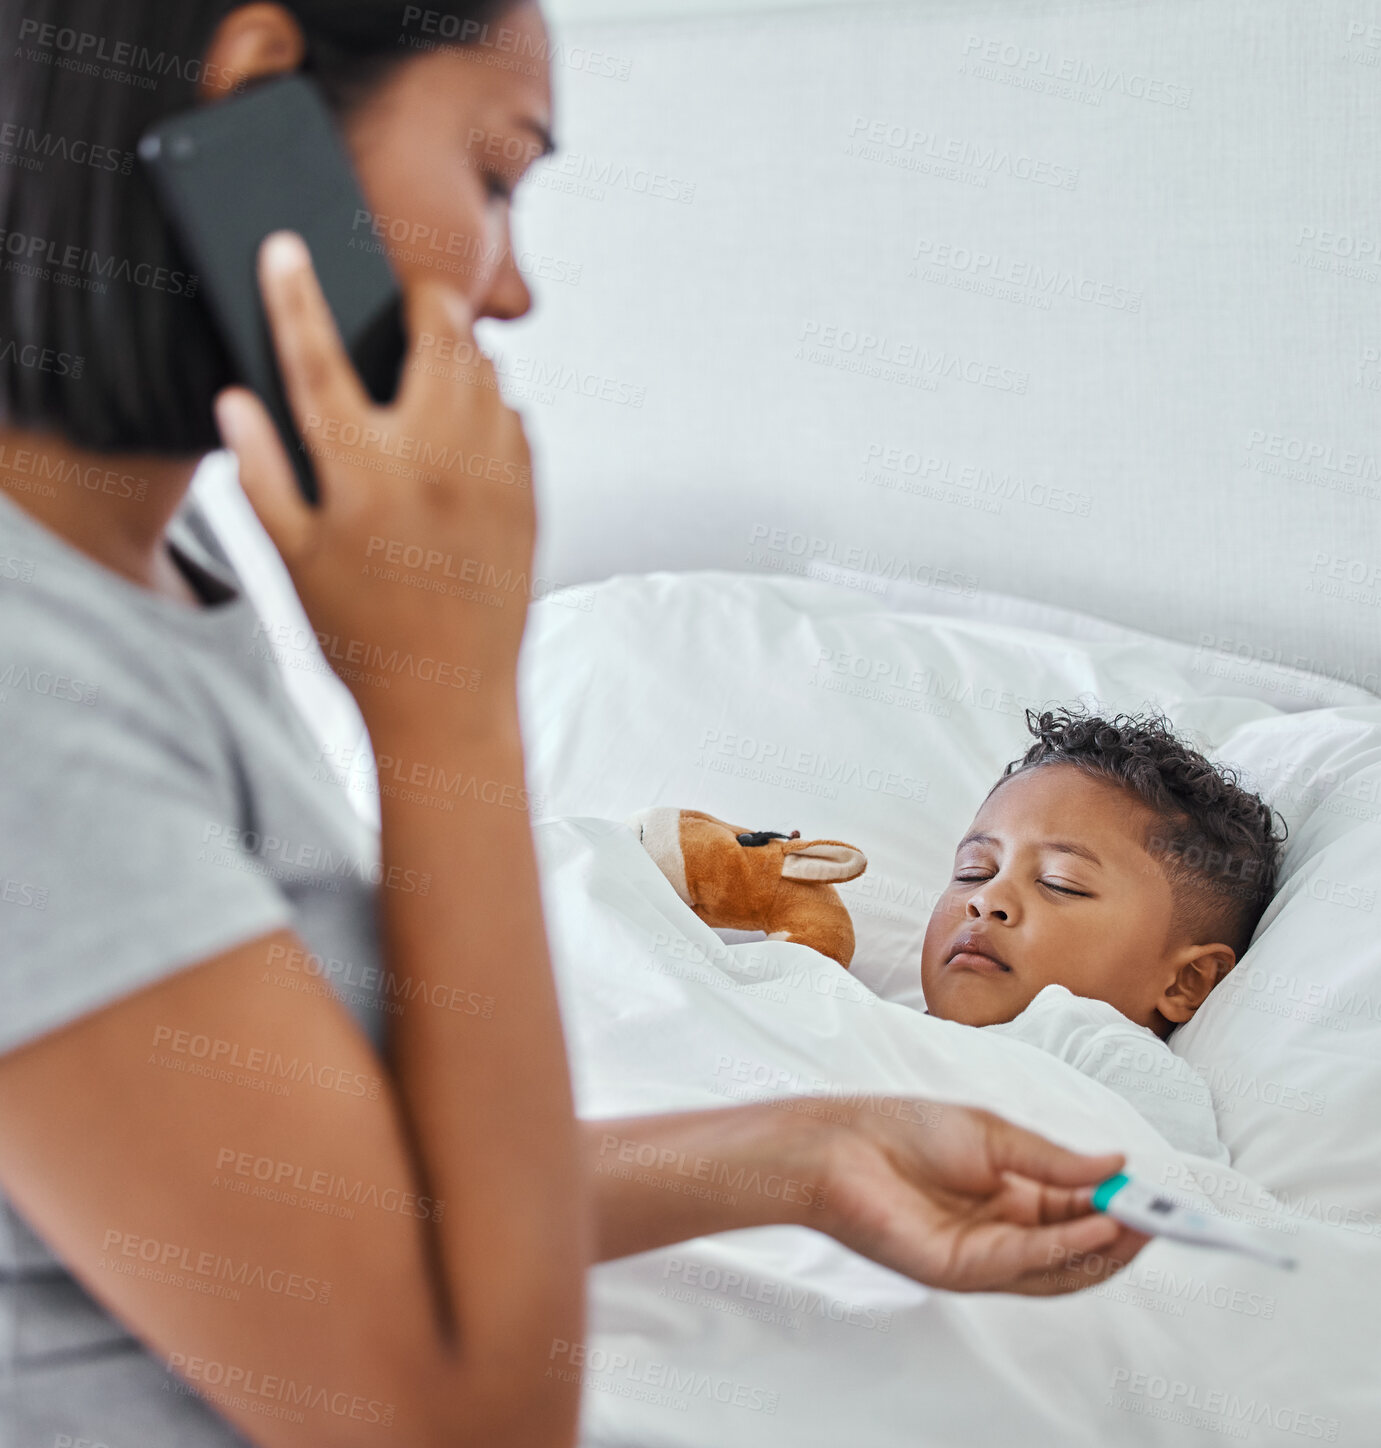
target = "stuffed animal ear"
x: 828, y: 860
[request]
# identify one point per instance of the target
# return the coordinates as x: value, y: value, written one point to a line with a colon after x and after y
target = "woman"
x: 272, y: 1211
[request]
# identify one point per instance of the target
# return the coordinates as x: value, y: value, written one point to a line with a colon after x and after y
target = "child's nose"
x: 978, y: 907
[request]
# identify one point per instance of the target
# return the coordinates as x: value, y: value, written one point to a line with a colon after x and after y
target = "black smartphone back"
x: 229, y: 173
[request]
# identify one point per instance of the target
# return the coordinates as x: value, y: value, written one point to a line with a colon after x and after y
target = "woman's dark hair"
x: 103, y: 338
x: 1216, y: 841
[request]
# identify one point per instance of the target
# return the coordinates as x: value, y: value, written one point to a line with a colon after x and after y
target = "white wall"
x: 1075, y: 300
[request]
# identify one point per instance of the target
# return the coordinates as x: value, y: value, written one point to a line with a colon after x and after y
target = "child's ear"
x: 1198, y: 969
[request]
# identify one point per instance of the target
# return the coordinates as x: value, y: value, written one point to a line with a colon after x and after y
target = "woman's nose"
x: 508, y: 297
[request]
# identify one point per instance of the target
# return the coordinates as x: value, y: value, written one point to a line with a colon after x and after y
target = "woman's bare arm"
x: 488, y: 1093
x: 955, y: 1197
x: 656, y: 1180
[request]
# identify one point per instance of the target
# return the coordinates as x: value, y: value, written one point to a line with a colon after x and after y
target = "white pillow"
x: 1290, y: 1042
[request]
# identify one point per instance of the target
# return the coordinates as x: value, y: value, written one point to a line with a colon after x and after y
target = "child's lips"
x: 983, y: 964
x: 971, y: 953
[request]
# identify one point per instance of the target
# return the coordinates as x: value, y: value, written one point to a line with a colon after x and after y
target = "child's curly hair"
x: 1216, y: 841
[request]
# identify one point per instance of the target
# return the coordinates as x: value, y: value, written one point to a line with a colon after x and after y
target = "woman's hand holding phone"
x: 422, y: 542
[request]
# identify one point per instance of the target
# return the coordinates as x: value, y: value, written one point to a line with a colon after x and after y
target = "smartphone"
x: 229, y: 173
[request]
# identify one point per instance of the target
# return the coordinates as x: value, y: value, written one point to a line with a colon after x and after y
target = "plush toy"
x: 739, y: 879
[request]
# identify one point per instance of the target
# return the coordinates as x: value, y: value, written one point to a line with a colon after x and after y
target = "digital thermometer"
x: 1146, y: 1210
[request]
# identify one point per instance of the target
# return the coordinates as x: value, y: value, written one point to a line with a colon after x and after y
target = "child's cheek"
x: 943, y: 922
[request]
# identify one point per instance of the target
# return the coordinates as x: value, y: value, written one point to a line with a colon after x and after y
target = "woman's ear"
x: 1199, y: 968
x: 252, y: 42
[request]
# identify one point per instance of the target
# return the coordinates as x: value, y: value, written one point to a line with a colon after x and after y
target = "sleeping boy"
x: 1111, y: 878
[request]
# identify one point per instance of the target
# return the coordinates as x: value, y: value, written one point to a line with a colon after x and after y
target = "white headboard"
x: 1079, y: 302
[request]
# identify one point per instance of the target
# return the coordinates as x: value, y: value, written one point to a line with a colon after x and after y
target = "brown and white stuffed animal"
x: 738, y: 879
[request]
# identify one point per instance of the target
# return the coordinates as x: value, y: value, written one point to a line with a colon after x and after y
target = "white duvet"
x: 780, y: 1337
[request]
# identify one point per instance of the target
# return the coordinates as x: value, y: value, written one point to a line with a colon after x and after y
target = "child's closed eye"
x: 976, y: 877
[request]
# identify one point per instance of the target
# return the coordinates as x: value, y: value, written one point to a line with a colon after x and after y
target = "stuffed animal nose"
x: 762, y: 837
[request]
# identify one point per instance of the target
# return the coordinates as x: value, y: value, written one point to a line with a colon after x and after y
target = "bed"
x: 733, y: 705
x: 896, y: 368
